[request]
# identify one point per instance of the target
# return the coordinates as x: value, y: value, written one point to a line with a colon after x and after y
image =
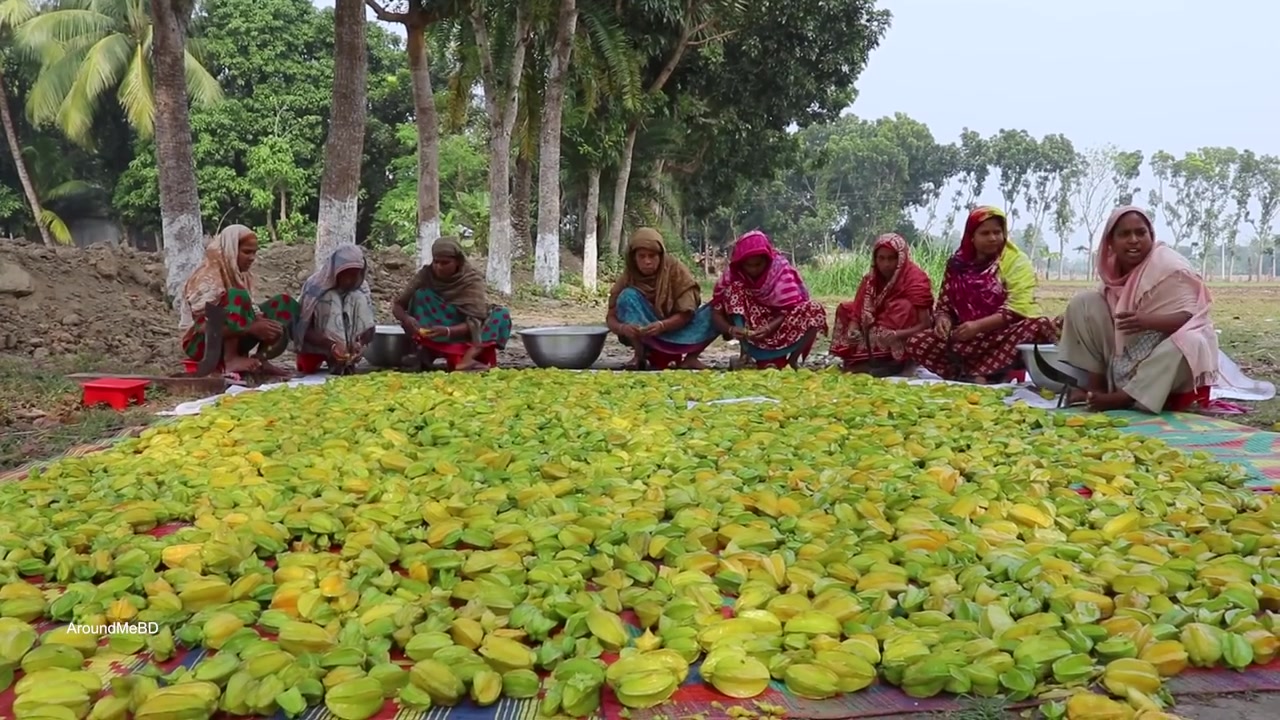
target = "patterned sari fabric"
x: 639, y: 300
x: 218, y: 280
x: 866, y: 328
x: 461, y: 298
x: 346, y: 317
x: 975, y: 288
x: 779, y: 292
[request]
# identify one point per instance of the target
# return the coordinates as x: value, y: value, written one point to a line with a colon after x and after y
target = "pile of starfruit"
x: 433, y: 540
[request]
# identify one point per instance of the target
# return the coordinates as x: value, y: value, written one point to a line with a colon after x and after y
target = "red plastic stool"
x: 190, y: 366
x: 116, y: 392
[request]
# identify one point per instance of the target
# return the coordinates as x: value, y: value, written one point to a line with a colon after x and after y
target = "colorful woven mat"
x: 1257, y: 451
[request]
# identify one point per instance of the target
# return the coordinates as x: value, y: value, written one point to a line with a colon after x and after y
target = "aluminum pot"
x: 389, y: 346
x: 568, y: 347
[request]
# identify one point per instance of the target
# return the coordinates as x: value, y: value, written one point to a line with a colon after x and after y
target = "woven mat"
x: 1257, y: 451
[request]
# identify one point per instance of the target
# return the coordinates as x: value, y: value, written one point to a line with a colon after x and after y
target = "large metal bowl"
x: 389, y: 346
x: 567, y: 347
x: 1050, y: 354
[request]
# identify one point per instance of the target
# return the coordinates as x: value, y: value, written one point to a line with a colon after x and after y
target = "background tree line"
x: 528, y: 126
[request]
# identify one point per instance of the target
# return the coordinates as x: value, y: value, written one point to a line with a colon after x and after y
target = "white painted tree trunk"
x: 590, y: 243
x: 620, y: 192
x: 344, y: 146
x: 180, y: 222
x: 546, y: 264
x: 502, y: 101
x: 428, y: 127
x: 498, y: 267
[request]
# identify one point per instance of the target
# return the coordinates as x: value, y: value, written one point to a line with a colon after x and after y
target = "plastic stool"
x: 488, y: 357
x: 116, y: 392
x: 189, y: 367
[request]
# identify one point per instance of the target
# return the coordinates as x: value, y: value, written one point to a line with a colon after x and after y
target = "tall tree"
x: 1125, y: 171
x: 501, y: 68
x: 1174, y: 197
x: 1015, y: 154
x: 418, y: 16
x: 179, y: 200
x: 344, y: 146
x: 1064, y: 219
x: 1054, y: 162
x: 1094, y: 193
x: 975, y: 167
x: 1264, y: 179
x: 546, y: 267
x: 12, y: 14
x: 90, y: 47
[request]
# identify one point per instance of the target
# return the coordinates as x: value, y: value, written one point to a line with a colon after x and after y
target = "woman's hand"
x: 265, y: 330
x: 1131, y: 322
x: 630, y: 332
x: 740, y: 333
x: 942, y: 327
x: 437, y: 333
x: 967, y: 331
x: 410, y: 325
x: 339, y: 351
x: 652, y: 329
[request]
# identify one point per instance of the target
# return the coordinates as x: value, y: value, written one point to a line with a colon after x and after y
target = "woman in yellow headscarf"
x: 986, y: 309
x: 655, y: 307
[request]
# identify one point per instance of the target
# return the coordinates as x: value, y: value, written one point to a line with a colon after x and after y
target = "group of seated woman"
x: 1143, y: 338
x: 444, y: 310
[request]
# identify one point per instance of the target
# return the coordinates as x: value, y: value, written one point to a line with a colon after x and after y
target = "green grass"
x: 838, y: 275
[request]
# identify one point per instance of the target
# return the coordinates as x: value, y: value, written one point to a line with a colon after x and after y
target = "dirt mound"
x: 107, y: 303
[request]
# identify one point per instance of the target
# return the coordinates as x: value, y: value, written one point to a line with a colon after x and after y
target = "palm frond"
x: 50, y: 88
x: 137, y: 98
x: 15, y: 12
x: 63, y: 26
x: 105, y: 62
x: 202, y: 88
x: 68, y: 190
x: 57, y: 228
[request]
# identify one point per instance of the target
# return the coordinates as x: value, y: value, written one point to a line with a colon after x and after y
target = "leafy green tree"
x: 14, y: 13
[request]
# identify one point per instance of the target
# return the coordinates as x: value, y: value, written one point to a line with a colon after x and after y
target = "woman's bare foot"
x: 1102, y: 402
x: 266, y: 368
x: 692, y: 363
x: 242, y: 365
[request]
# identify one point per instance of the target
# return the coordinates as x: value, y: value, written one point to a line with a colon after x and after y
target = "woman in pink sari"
x: 1144, y: 337
x: 761, y: 302
x: 894, y: 302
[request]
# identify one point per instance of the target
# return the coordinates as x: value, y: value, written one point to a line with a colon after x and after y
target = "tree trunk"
x: 344, y: 145
x: 175, y: 165
x: 428, y: 126
x: 502, y: 103
x: 521, y: 204
x: 546, y: 266
x: 620, y: 191
x: 590, y: 243
x: 11, y: 135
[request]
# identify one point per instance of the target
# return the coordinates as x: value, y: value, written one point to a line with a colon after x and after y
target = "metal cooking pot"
x: 389, y: 346
x: 568, y: 347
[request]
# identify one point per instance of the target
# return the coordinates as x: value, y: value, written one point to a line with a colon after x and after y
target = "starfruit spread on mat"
x: 576, y: 538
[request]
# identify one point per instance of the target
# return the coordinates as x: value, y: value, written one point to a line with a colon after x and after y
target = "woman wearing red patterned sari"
x: 894, y: 302
x: 761, y: 302
x: 986, y: 308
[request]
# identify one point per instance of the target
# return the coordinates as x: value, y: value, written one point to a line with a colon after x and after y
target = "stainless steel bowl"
x: 389, y: 346
x: 1050, y: 354
x: 568, y: 347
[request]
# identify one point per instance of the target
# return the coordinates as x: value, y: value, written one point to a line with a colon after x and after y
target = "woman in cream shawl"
x: 446, y: 310
x: 220, y: 325
x: 1144, y: 336
x: 336, y: 322
x: 655, y: 307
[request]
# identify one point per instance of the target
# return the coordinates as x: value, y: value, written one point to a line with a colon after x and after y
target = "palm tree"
x: 14, y: 13
x: 89, y: 47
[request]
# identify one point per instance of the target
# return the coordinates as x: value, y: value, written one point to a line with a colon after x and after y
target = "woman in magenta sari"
x: 761, y: 301
x: 894, y: 302
x: 986, y: 309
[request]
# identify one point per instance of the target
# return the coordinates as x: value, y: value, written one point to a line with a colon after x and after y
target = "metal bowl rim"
x: 565, y: 331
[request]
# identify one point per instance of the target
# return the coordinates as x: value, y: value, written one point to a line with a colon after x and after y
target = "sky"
x: 1141, y: 74
x: 1170, y: 75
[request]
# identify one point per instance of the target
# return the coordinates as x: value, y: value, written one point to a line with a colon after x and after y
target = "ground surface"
x: 71, y: 310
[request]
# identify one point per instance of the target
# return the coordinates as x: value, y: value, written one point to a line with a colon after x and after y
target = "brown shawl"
x: 672, y: 289
x: 464, y: 290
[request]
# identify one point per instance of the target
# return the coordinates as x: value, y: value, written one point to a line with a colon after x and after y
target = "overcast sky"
x: 1169, y: 75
